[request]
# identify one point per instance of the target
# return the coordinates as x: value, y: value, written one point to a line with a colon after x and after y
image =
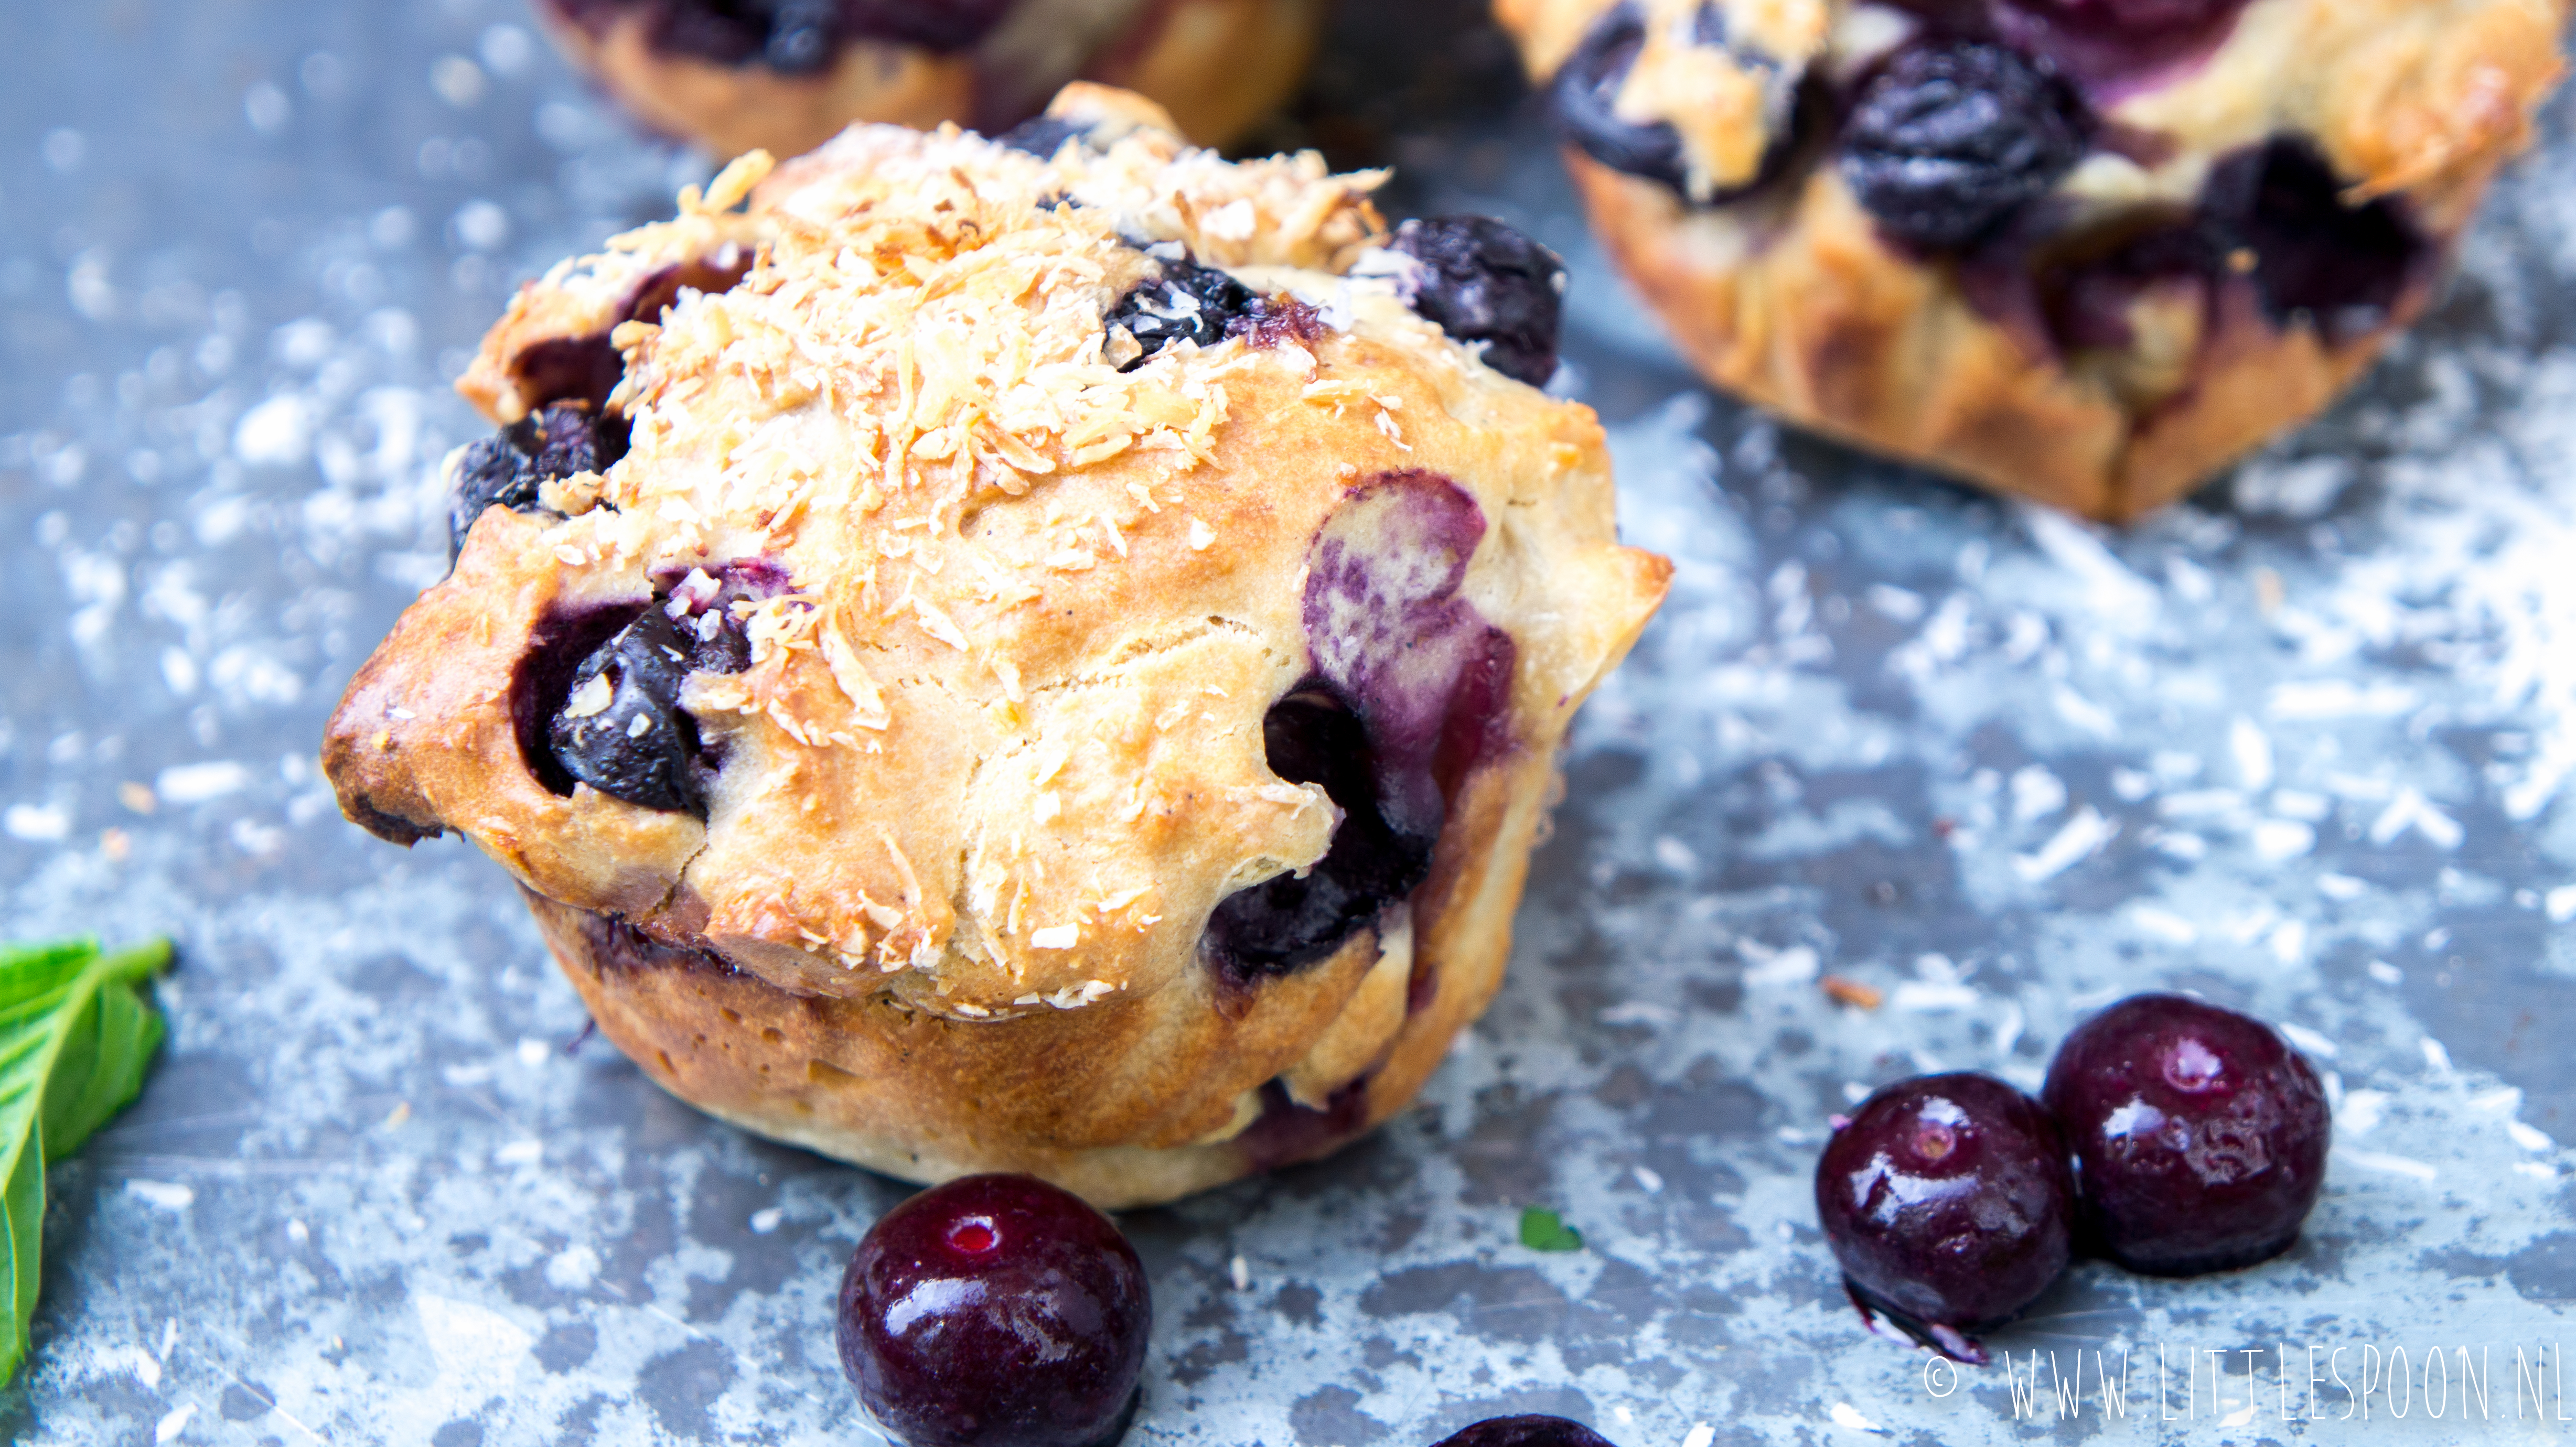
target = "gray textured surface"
x: 2301, y: 746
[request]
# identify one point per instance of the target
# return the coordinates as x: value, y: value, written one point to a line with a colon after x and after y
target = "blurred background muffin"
x: 785, y: 75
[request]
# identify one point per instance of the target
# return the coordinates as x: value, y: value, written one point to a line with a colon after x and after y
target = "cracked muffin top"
x: 910, y: 569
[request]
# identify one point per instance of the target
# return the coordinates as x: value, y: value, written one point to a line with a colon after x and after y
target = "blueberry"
x: 801, y: 36
x: 509, y: 466
x: 1947, y: 1201
x: 1043, y: 136
x: 1583, y: 98
x: 2085, y: 298
x: 1586, y: 88
x: 1530, y: 1431
x: 1952, y: 137
x: 2345, y: 268
x: 613, y: 719
x: 2131, y: 19
x: 621, y: 729
x: 942, y: 25
x: 1481, y: 281
x: 995, y: 1311
x: 1410, y: 693
x: 2199, y: 1135
x: 588, y: 367
x: 568, y: 369
x: 1428, y: 677
x: 1187, y: 303
x: 727, y: 32
x: 1290, y: 920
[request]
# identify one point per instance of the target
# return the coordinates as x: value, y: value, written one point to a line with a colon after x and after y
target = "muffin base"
x: 1096, y: 1105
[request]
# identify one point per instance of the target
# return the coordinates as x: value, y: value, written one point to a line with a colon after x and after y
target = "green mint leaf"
x: 76, y: 1035
x: 1544, y: 1230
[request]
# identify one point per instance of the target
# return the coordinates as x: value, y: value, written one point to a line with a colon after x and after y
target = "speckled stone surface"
x: 2303, y: 745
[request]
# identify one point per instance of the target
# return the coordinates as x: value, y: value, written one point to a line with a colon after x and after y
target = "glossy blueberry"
x: 1952, y: 137
x: 2199, y: 1135
x: 1947, y: 1201
x: 1188, y: 303
x: 1530, y: 1431
x: 995, y: 1311
x: 509, y: 466
x: 1290, y: 920
x: 2344, y: 268
x: 1481, y: 281
x: 621, y: 729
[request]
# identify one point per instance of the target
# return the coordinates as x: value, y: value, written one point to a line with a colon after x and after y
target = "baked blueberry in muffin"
x: 786, y: 74
x: 2086, y: 250
x: 1066, y: 669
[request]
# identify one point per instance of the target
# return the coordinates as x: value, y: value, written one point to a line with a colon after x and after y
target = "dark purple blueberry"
x: 621, y: 729
x: 568, y: 369
x: 943, y: 25
x: 1187, y: 303
x: 1947, y: 1201
x: 1584, y: 95
x: 795, y: 37
x: 1409, y: 694
x: 1585, y: 92
x: 509, y: 466
x: 2199, y: 1135
x: 615, y: 722
x: 1043, y: 136
x: 1428, y: 677
x: 996, y: 1311
x: 2085, y: 299
x: 2344, y: 268
x: 802, y: 36
x: 1481, y: 281
x: 587, y: 368
x: 1952, y: 137
x: 1289, y: 920
x: 2116, y: 43
x: 2136, y: 19
x: 1532, y: 1431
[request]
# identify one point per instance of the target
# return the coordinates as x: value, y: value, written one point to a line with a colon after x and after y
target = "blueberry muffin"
x: 784, y: 75
x: 1038, y: 654
x: 2086, y: 250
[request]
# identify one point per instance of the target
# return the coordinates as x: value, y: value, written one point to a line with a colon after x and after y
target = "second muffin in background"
x: 2090, y: 251
x: 785, y: 75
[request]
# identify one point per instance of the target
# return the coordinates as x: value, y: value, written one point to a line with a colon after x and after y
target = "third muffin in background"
x: 786, y: 75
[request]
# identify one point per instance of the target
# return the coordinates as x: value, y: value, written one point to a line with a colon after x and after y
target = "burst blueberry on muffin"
x: 1018, y: 657
x: 784, y: 75
x: 2087, y: 250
